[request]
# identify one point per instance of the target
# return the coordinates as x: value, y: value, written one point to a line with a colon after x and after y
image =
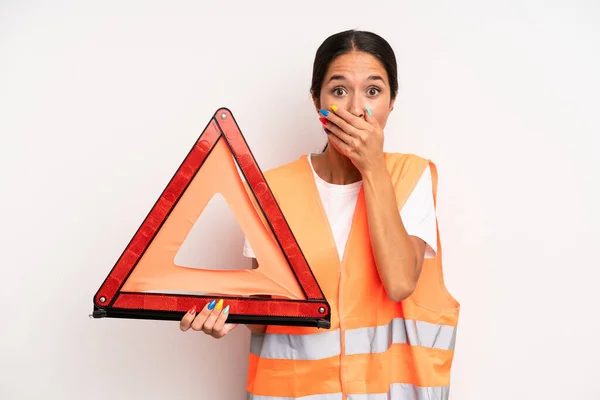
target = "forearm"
x: 259, y: 329
x: 394, y: 251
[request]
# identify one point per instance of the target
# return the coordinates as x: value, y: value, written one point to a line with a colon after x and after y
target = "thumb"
x: 229, y: 327
x: 225, y: 330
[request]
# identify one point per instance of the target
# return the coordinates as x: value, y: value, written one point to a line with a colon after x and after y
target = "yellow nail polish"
x: 334, y: 108
x: 219, y: 305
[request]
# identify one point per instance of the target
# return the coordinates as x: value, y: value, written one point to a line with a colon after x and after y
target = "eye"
x: 338, y: 91
x: 373, y: 91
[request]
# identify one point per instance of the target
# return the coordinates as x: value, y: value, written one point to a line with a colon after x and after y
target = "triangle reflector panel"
x: 146, y: 283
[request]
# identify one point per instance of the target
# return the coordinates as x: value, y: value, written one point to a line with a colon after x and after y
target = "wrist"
x: 375, y: 172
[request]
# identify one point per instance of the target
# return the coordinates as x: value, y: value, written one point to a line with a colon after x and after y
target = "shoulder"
x: 285, y: 171
x: 410, y: 174
x: 405, y: 166
x: 404, y: 160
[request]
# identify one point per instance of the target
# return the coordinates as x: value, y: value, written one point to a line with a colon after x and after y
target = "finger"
x: 341, y: 134
x: 202, y: 316
x: 360, y: 130
x: 212, y: 318
x: 226, y: 329
x: 220, y: 321
x: 370, y: 119
x: 188, y: 318
x: 221, y: 328
x: 341, y: 146
x: 332, y: 118
x: 348, y: 121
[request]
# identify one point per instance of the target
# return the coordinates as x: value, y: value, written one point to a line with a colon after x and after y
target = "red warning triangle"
x: 142, y: 282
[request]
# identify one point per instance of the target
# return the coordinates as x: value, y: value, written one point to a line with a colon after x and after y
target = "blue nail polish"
x: 324, y: 112
x: 369, y: 111
x: 211, y: 305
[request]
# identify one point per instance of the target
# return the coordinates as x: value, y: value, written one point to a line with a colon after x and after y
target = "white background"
x: 100, y: 101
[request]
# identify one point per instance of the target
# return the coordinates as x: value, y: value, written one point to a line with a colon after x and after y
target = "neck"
x: 335, y: 168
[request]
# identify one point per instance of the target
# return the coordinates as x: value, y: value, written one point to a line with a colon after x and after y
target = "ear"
x: 392, y: 102
x: 316, y: 101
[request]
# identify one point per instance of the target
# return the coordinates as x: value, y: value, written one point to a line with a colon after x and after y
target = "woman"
x: 365, y: 220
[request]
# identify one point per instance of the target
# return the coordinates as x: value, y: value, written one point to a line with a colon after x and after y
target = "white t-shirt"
x: 339, y: 201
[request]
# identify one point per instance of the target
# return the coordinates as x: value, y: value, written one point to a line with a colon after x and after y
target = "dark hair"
x: 353, y: 40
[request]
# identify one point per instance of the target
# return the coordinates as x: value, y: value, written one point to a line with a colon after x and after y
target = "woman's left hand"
x: 358, y: 139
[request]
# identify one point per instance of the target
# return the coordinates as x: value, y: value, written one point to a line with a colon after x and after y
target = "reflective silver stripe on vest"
x: 403, y: 391
x: 377, y: 339
x: 334, y: 396
x: 398, y: 391
x: 373, y: 339
x: 296, y: 347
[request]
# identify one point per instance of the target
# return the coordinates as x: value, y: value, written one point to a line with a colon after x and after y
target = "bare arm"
x: 259, y: 329
x: 399, y: 256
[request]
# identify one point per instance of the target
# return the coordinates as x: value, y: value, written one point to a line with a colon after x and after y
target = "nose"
x: 356, y: 106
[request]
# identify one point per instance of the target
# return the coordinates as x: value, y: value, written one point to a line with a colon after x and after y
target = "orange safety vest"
x: 376, y: 349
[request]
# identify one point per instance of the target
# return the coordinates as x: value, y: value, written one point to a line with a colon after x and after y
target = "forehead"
x: 356, y: 65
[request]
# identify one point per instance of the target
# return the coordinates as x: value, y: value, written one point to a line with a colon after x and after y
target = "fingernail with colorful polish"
x: 369, y: 111
x: 192, y: 311
x: 327, y: 131
x: 334, y: 107
x: 324, y: 112
x: 220, y: 304
x: 226, y: 310
x: 323, y: 121
x: 211, y: 305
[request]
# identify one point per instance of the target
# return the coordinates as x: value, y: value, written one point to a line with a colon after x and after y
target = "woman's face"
x: 354, y: 81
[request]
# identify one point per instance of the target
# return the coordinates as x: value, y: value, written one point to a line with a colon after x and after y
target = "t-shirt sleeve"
x: 418, y: 214
x: 247, y: 250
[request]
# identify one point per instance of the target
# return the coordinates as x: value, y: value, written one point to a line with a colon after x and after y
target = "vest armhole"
x: 432, y: 292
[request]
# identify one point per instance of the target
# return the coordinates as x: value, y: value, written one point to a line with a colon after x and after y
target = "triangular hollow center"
x: 215, y: 241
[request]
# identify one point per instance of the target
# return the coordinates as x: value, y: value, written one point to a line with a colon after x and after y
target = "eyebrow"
x: 343, y: 78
